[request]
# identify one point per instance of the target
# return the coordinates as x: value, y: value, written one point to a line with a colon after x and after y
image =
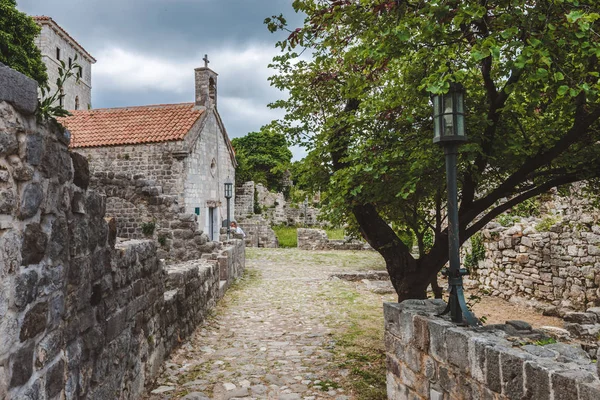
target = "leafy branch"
x: 47, y: 107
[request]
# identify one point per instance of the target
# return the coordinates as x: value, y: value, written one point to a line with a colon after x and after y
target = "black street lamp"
x: 228, y: 195
x: 449, y: 131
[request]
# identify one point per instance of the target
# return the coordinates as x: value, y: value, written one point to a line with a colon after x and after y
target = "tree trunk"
x: 437, y: 290
x: 409, y: 277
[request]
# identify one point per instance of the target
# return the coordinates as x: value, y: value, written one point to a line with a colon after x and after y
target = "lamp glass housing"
x: 449, y: 115
x: 228, y: 188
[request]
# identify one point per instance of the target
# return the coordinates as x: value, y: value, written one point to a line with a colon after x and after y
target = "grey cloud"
x: 168, y: 27
x: 178, y: 33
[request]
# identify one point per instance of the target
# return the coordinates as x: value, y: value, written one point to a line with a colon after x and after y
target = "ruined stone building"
x: 57, y: 45
x: 160, y: 164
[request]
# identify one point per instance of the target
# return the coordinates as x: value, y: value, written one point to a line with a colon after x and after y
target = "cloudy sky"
x: 146, y: 51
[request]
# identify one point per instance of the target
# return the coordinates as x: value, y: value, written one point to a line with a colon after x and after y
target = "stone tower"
x: 206, y: 86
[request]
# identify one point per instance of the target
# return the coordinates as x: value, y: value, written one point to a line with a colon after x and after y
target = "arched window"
x: 77, y: 102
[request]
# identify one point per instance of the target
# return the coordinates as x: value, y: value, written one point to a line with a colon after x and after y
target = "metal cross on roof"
x: 205, y: 59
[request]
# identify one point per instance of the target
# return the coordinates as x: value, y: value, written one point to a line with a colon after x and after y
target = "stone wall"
x: 559, y: 269
x: 274, y: 207
x: 259, y: 232
x: 428, y: 357
x: 316, y: 239
x: 138, y: 204
x: 81, y: 316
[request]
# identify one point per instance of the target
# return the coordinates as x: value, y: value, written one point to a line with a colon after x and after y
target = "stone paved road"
x: 272, y: 335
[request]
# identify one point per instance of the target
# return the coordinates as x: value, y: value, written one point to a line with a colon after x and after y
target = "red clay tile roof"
x: 42, y: 19
x: 130, y: 125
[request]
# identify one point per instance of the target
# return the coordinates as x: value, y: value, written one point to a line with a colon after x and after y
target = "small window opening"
x: 70, y: 62
x: 61, y: 98
x: 212, y: 89
x: 77, y: 102
x: 58, y: 53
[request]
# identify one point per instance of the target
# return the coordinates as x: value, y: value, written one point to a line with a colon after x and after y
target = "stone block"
x: 31, y: 199
x: 22, y: 365
x: 81, y: 170
x: 457, y: 345
x: 589, y: 391
x: 34, y: 322
x: 421, y: 333
x: 564, y: 383
x: 492, y: 362
x: 537, y: 381
x: 55, y: 379
x: 18, y: 90
x: 581, y: 317
x: 8, y: 201
x: 437, y: 339
x: 512, y: 365
x: 34, y: 244
x: 3, y: 383
x: 26, y: 286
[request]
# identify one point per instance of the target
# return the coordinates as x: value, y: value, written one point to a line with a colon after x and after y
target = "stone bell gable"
x: 161, y: 166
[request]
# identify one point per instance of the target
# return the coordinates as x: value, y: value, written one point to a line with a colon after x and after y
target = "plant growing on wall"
x: 148, y: 228
x: 477, y: 252
x: 47, y: 106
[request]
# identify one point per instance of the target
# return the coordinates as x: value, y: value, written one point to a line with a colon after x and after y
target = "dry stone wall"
x: 428, y: 357
x: 557, y: 270
x: 274, y: 207
x: 317, y: 239
x: 81, y: 316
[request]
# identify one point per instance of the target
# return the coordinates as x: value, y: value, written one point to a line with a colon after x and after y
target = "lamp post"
x: 449, y: 132
x: 228, y: 195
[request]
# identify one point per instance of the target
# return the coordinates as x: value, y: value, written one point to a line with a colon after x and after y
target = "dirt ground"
x: 498, y: 311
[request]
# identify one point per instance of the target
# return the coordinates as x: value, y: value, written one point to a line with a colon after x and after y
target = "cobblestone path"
x: 273, y: 335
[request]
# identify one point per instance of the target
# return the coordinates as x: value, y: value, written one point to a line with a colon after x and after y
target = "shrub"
x: 477, y: 252
x: 148, y: 228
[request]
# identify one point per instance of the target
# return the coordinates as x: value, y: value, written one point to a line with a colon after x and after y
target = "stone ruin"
x: 429, y: 357
x: 83, y: 314
x: 317, y: 239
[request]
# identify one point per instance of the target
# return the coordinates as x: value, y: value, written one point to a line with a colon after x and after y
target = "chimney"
x: 206, y: 86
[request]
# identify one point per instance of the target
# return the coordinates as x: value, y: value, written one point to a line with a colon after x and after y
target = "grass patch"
x: 336, y: 233
x: 359, y: 344
x: 287, y: 236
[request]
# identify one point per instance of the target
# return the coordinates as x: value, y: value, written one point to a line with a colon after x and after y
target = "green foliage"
x: 263, y: 157
x: 507, y: 220
x: 336, y: 233
x: 47, y: 106
x: 256, y: 205
x: 360, y: 105
x: 527, y: 208
x: 477, y: 252
x: 162, y: 240
x: 544, y: 342
x: 547, y: 222
x: 286, y: 235
x: 148, y: 228
x: 17, y: 42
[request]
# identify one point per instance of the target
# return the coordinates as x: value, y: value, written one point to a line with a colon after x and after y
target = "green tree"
x: 360, y: 104
x: 262, y: 157
x: 17, y: 42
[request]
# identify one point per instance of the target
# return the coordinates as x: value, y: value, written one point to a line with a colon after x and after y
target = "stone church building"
x: 162, y: 167
x: 57, y: 45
